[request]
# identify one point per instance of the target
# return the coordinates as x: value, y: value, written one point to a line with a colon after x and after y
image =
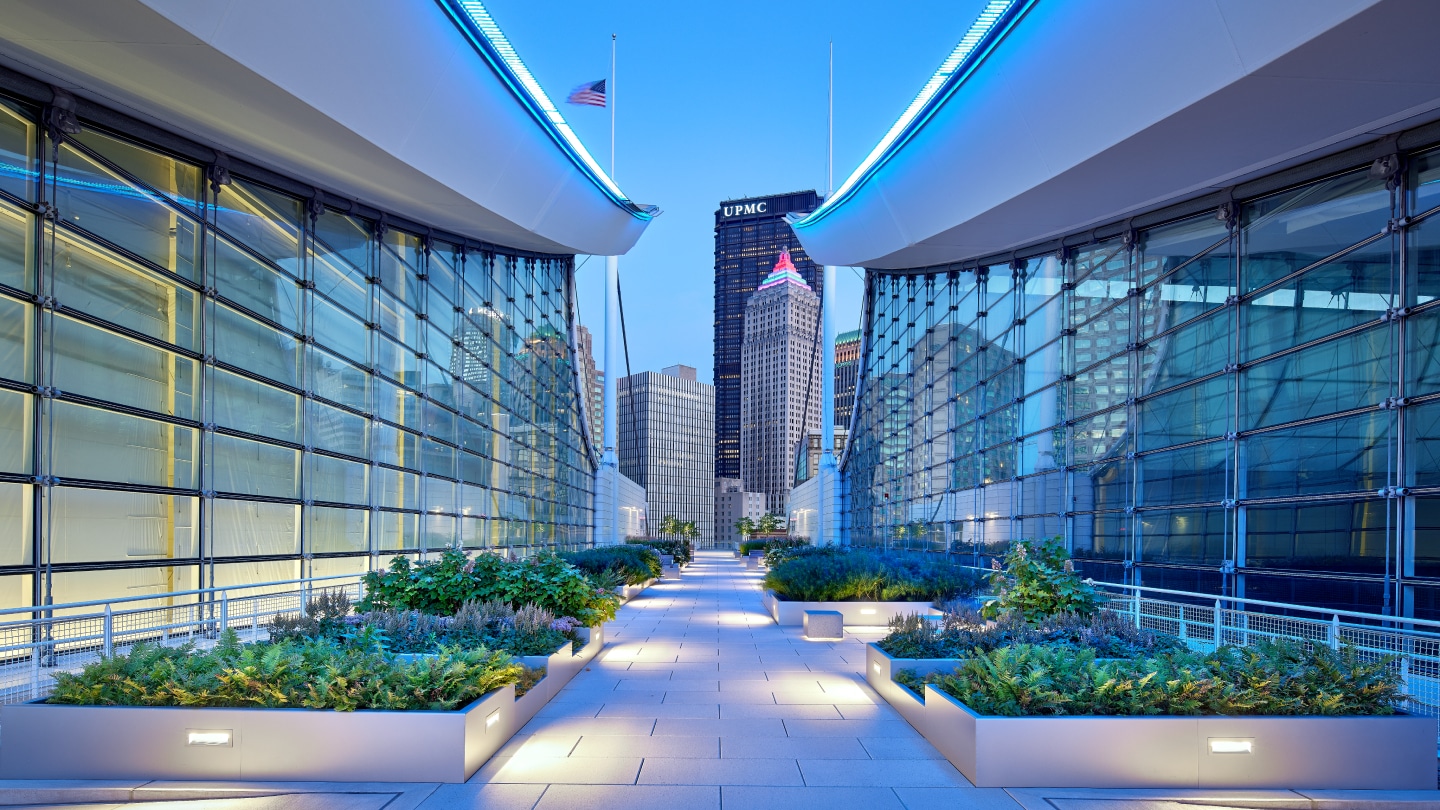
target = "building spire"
x: 784, y: 272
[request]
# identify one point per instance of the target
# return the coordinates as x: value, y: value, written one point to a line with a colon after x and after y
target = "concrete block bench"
x: 824, y: 625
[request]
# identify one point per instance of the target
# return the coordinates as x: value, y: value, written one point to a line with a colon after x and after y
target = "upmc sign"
x: 744, y: 209
x: 772, y: 206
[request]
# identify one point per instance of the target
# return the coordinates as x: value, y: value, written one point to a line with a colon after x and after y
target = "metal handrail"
x: 171, y: 594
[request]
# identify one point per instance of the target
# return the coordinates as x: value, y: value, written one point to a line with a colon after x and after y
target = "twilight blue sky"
x: 718, y: 100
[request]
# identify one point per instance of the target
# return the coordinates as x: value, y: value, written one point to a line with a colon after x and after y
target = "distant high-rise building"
x: 732, y: 503
x: 779, y: 380
x: 749, y: 233
x: 667, y: 444
x: 847, y: 374
x: 593, y: 386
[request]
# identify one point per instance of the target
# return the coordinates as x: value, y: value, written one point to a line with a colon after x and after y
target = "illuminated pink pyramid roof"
x: 783, y: 273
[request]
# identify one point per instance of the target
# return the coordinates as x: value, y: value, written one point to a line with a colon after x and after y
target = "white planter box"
x: 1321, y: 753
x: 857, y: 614
x: 53, y: 741
x: 628, y: 592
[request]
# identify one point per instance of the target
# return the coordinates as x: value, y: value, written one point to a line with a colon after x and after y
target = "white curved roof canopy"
x: 1087, y: 112
x: 384, y: 101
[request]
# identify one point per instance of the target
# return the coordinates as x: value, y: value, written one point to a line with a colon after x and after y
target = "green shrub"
x: 1039, y: 580
x: 1270, y: 678
x: 311, y: 674
x: 778, y: 551
x: 441, y: 586
x: 850, y: 576
x: 965, y: 633
x: 747, y: 546
x: 625, y: 565
x: 681, y: 549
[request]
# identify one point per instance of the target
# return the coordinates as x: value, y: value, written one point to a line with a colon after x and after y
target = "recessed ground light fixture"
x: 876, y: 665
x: 214, y: 738
x: 1219, y: 746
x: 492, y: 718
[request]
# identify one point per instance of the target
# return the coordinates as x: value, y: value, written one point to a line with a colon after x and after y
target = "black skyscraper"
x: 749, y: 235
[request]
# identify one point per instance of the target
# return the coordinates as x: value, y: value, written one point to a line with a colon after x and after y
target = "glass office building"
x: 1242, y: 399
x: 749, y: 234
x: 210, y: 378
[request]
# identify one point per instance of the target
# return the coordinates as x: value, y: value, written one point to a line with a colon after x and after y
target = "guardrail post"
x: 109, y: 633
x: 254, y: 619
x: 35, y: 672
x: 224, y: 611
x: 1334, y: 634
x: 1137, y: 610
x: 305, y: 598
x: 1184, y: 634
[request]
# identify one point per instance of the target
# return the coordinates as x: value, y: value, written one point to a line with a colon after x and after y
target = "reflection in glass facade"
x: 1243, y: 402
x: 205, y: 383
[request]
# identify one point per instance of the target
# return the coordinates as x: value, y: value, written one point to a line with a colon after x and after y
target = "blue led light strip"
x: 479, y: 27
x: 984, y: 33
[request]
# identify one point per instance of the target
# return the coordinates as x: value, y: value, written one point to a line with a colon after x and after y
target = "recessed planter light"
x: 207, y: 738
x: 1219, y: 746
x: 867, y: 611
x: 492, y: 718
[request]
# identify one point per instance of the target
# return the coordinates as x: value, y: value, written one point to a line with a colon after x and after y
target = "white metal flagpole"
x: 611, y: 460
x: 828, y: 522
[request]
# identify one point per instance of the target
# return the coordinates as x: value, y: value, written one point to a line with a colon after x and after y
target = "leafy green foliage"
x: 314, y: 673
x: 778, y: 551
x: 1038, y: 581
x: 857, y: 576
x: 681, y: 549
x: 963, y: 633
x: 441, y: 586
x: 1269, y: 678
x: 747, y: 546
x: 627, y: 564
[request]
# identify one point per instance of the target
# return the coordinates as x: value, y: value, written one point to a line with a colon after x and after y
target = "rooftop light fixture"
x: 1221, y: 746
x: 207, y: 738
x: 993, y: 20
x: 479, y: 27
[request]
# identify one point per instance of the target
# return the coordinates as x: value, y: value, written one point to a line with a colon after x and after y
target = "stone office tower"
x: 779, y: 380
x: 666, y: 427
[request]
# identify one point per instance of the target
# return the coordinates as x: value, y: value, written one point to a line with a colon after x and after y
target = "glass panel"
x: 254, y: 529
x: 1422, y: 357
x: 1101, y: 386
x: 1342, y: 455
x: 18, y: 167
x: 103, y: 365
x: 94, y: 525
x: 91, y: 280
x: 1196, y: 474
x: 1185, y: 536
x: 98, y: 445
x: 17, y: 509
x: 1100, y: 436
x: 342, y: 333
x: 244, y: 467
x: 1351, y: 372
x: 1427, y: 538
x: 334, y: 531
x: 396, y: 489
x: 246, y: 343
x: 1289, y: 231
x: 336, y: 430
x: 1423, y: 258
x: 336, y: 480
x: 1346, y: 537
x: 92, y: 197
x: 17, y: 233
x: 16, y: 333
x: 1422, y: 424
x: 1200, y: 411
x: 256, y: 287
x: 338, y: 381
x: 265, y: 221
x: 1188, y: 353
x: 243, y: 404
x: 117, y: 583
x: 397, y: 531
x: 176, y: 180
x: 342, y: 261
x: 16, y: 439
x: 1340, y: 295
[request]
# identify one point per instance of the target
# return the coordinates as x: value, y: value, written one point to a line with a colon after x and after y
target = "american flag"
x: 589, y: 93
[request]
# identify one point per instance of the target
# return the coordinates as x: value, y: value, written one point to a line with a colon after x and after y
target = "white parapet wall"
x: 632, y: 512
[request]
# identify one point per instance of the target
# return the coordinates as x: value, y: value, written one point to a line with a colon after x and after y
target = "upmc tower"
x: 749, y: 236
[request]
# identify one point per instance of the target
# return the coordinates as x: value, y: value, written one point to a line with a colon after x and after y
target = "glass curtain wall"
x: 1243, y: 402
x: 210, y: 384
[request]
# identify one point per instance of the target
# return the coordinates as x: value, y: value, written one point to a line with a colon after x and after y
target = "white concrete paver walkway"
x: 700, y: 699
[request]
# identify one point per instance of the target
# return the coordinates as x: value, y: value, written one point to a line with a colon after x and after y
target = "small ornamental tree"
x: 746, y: 527
x: 771, y: 522
x: 1038, y: 581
